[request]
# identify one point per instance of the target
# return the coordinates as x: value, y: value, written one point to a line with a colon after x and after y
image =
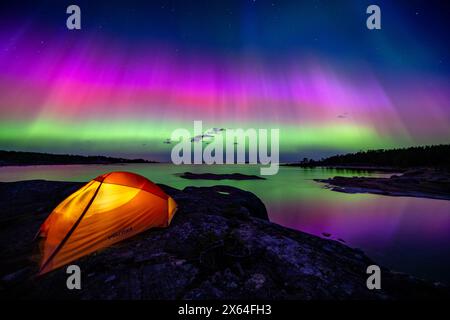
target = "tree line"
x: 421, y: 156
x: 8, y: 158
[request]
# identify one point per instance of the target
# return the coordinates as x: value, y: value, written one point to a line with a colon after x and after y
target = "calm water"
x: 405, y: 234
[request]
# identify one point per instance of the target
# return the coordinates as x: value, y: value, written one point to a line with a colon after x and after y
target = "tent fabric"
x: 108, y: 209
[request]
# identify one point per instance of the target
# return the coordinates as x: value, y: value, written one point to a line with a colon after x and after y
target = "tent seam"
x: 71, y: 231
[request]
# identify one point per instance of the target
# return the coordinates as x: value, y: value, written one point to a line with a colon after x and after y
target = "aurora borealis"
x: 136, y: 71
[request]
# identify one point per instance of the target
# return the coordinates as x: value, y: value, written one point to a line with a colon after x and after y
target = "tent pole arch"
x: 75, y: 225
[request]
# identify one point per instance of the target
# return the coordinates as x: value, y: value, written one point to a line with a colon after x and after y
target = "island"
x: 224, y: 176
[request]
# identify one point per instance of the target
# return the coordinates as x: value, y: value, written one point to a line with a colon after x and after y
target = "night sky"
x: 139, y: 69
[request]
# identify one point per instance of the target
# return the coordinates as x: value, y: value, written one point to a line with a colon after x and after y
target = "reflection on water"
x: 406, y: 234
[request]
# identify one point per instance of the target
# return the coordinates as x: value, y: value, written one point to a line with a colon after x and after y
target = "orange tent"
x: 108, y: 209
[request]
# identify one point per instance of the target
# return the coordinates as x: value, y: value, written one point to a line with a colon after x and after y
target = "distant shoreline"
x: 19, y: 158
x: 392, y: 160
x: 75, y: 164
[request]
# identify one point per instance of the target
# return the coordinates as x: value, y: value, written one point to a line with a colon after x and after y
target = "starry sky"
x: 137, y: 70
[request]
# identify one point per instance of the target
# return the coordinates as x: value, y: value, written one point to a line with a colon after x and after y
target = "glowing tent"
x: 108, y: 209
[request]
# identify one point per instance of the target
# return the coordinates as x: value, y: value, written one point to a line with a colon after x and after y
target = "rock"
x: 213, y: 176
x: 424, y: 183
x: 16, y: 276
x: 220, y: 245
x: 256, y: 281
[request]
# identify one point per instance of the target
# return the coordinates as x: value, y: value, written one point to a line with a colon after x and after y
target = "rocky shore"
x: 424, y: 183
x: 220, y: 245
